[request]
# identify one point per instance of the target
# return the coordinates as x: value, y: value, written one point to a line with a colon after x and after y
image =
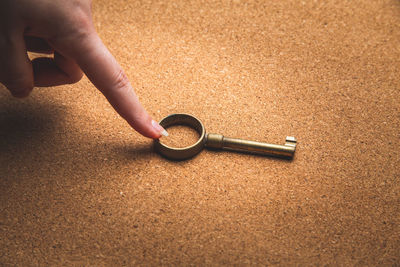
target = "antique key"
x: 217, y: 141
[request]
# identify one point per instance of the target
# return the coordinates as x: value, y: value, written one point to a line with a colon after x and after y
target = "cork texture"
x: 79, y: 187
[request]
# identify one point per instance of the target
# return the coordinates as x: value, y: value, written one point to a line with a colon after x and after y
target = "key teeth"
x: 290, y: 141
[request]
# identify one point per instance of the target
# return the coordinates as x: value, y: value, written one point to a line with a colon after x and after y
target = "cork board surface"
x: 79, y: 187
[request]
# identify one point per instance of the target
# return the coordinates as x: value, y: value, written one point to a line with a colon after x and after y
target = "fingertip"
x: 159, y: 129
x: 21, y: 94
x: 76, y: 76
x: 155, y: 136
x: 147, y: 128
x: 21, y: 88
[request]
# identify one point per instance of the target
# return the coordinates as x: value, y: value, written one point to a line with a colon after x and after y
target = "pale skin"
x: 65, y: 29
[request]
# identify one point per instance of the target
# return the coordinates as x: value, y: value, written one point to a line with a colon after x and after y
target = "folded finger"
x: 38, y: 45
x: 15, y: 67
x: 55, y: 71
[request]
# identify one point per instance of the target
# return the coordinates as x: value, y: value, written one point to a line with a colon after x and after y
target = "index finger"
x: 106, y: 74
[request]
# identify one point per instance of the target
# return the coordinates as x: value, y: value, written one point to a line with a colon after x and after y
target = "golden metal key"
x: 217, y: 141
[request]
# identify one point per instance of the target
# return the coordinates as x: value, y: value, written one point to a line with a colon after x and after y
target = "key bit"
x: 218, y: 141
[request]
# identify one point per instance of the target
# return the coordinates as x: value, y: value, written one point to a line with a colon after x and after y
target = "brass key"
x: 217, y: 141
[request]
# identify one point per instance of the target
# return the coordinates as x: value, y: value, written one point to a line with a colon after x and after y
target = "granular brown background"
x: 78, y: 186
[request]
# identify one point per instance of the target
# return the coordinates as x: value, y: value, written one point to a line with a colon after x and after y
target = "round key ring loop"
x: 184, y: 152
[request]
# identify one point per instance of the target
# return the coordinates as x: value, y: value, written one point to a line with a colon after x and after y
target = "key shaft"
x: 218, y: 141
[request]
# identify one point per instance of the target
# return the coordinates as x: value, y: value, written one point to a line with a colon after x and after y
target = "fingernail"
x: 158, y: 128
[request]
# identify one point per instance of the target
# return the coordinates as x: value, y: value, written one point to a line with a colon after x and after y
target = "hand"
x: 65, y: 29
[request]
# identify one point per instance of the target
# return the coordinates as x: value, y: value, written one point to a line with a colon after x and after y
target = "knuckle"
x: 76, y: 29
x: 82, y: 21
x: 75, y: 77
x: 79, y: 32
x: 19, y: 88
x: 19, y: 85
x: 121, y: 81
